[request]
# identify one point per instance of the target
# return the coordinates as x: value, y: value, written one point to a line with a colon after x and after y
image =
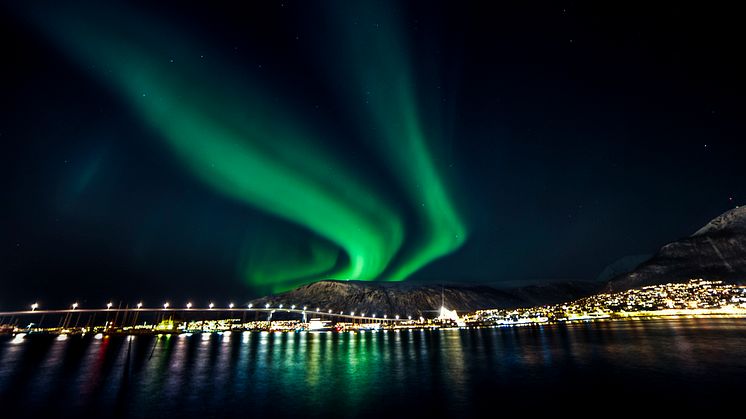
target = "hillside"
x: 407, y: 298
x: 715, y: 251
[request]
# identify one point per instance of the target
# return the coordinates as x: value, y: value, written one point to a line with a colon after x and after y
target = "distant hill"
x: 622, y: 266
x: 413, y: 299
x: 715, y: 251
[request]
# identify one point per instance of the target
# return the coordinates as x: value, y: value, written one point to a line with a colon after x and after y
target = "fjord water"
x: 677, y: 364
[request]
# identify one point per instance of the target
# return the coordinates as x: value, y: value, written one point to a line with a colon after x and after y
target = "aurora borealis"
x: 227, y: 133
x: 160, y: 148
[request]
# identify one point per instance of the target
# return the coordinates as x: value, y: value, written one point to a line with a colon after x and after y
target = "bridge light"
x: 318, y: 309
x: 304, y: 308
x: 292, y: 307
x: 352, y: 313
x: 340, y: 311
x: 362, y: 314
x: 374, y: 315
x: 251, y: 305
x: 266, y: 305
x: 165, y: 305
x: 410, y: 317
x: 34, y: 306
x: 230, y: 306
x: 211, y: 306
x: 189, y: 305
x: 139, y: 305
x: 385, y: 316
x: 108, y: 306
x: 397, y: 317
x: 75, y: 305
x: 280, y: 305
x: 330, y: 311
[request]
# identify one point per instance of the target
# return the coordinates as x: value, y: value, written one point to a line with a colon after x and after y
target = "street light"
x: 108, y: 306
x: 34, y: 306
x: 230, y: 306
x: 211, y: 306
x: 251, y: 305
x: 330, y: 311
x: 352, y: 313
x: 266, y: 305
x: 304, y: 308
x: 397, y: 317
x: 410, y: 317
x: 374, y: 315
x: 292, y: 307
x: 280, y: 305
x: 189, y: 305
x: 165, y: 306
x: 75, y: 305
x: 139, y: 305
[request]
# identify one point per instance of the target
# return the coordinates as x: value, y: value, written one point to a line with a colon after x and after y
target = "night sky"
x: 176, y: 150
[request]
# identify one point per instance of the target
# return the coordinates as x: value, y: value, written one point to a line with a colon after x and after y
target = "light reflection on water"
x: 436, y: 373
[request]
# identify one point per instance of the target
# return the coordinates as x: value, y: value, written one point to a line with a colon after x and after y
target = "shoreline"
x: 628, y: 317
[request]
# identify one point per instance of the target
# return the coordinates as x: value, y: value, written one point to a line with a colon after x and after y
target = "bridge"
x: 167, y: 309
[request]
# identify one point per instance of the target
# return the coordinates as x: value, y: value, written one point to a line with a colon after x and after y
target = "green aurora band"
x: 384, y: 77
x: 228, y: 133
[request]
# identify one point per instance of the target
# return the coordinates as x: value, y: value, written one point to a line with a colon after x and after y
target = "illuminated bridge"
x: 303, y: 312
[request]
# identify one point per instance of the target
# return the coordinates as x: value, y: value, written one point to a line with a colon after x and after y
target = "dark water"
x: 687, y: 364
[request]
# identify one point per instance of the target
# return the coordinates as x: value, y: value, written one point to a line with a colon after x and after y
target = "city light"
x: 693, y: 298
x: 696, y: 297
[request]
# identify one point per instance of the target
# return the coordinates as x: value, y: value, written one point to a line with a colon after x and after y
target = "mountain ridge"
x: 415, y: 299
x: 717, y: 251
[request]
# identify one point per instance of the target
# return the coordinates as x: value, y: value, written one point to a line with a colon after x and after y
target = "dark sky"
x: 472, y: 141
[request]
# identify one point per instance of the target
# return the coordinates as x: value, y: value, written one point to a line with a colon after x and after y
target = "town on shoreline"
x: 695, y: 298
